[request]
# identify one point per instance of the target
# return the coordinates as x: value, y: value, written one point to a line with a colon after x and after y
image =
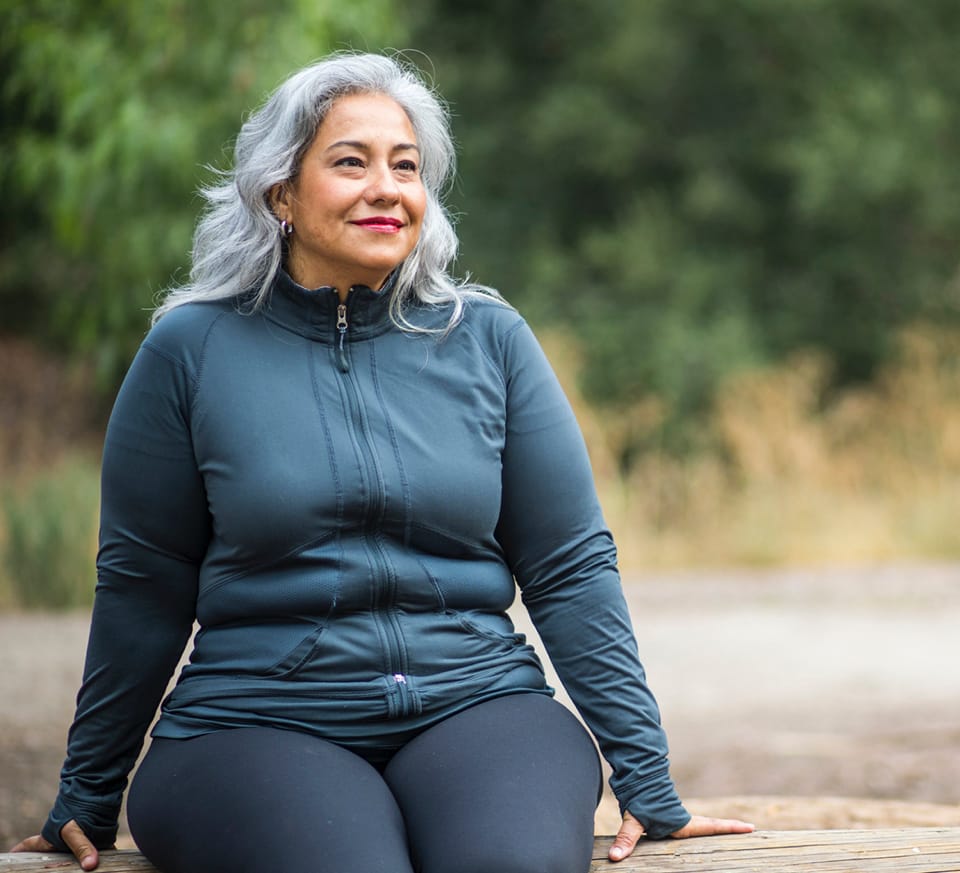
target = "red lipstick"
x: 380, y: 223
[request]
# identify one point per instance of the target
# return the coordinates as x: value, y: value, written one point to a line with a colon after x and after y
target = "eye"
x: 407, y: 166
x: 348, y: 162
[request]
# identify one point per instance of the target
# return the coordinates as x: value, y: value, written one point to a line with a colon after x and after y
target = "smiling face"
x: 357, y: 203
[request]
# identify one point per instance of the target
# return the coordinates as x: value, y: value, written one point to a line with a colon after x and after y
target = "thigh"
x: 509, y: 785
x: 258, y: 799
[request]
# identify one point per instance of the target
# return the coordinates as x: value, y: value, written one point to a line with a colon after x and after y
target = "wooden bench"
x: 898, y: 850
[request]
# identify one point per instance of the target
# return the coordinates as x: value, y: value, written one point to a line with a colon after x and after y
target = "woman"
x: 339, y: 462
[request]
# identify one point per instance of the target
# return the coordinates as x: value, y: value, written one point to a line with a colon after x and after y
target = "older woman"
x: 339, y: 462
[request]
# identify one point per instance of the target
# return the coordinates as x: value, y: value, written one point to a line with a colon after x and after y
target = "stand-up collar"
x: 313, y: 314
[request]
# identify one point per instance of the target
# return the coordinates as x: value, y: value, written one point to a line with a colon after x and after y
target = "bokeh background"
x: 734, y: 226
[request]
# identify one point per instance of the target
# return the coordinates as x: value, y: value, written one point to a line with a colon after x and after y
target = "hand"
x: 75, y: 839
x: 699, y: 826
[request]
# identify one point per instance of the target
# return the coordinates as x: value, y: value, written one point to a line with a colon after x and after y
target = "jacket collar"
x: 314, y: 313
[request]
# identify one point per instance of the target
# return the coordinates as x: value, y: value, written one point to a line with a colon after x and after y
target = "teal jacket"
x: 346, y: 510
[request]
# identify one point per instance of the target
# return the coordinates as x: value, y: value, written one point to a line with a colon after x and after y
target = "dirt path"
x: 773, y: 685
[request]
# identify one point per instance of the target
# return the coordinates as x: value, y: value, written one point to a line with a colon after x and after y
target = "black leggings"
x: 507, y: 786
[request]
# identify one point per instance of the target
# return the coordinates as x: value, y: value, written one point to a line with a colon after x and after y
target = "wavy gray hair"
x: 238, y: 245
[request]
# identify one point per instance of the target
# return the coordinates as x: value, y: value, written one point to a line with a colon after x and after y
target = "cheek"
x: 325, y: 200
x: 417, y: 206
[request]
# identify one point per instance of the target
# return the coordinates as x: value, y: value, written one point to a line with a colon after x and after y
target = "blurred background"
x: 734, y: 226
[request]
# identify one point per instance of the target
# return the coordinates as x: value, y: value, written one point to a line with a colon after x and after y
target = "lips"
x: 381, y: 223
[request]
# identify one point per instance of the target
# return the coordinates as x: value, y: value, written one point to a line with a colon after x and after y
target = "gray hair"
x: 238, y: 244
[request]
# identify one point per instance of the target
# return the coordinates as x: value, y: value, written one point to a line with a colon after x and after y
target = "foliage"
x: 50, y: 537
x: 695, y: 188
x: 109, y: 112
x: 691, y: 189
x: 872, y: 475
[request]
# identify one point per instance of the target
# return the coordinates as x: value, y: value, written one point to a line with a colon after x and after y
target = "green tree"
x: 695, y: 187
x: 109, y: 113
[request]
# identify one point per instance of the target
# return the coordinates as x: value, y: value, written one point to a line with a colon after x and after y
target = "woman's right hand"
x: 73, y: 836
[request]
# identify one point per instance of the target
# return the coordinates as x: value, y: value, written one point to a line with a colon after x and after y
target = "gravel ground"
x: 775, y: 687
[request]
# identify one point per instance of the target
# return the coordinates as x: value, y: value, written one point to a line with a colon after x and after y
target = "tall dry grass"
x: 50, y: 430
x: 48, y: 536
x: 796, y: 474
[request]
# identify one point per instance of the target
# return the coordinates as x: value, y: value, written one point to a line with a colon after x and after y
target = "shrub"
x: 49, y: 546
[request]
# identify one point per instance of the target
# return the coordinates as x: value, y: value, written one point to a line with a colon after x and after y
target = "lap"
x: 510, y: 784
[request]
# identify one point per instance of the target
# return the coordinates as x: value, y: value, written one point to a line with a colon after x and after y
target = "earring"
x: 286, y: 228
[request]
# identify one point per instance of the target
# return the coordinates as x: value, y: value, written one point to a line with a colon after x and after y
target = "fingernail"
x: 616, y: 853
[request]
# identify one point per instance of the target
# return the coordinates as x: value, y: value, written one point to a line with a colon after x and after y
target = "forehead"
x: 366, y: 117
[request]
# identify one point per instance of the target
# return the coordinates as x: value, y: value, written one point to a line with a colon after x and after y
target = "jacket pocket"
x: 303, y: 653
x: 493, y: 628
x: 267, y: 649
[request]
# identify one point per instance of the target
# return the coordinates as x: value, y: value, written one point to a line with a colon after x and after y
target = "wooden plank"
x: 895, y: 850
x: 904, y: 850
x: 123, y: 861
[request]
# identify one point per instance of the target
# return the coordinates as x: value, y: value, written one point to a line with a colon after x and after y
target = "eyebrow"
x: 355, y: 144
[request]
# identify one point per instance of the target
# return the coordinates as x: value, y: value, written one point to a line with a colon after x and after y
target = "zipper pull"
x: 399, y: 678
x: 342, y: 330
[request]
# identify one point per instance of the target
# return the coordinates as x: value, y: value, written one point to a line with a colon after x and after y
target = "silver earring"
x: 286, y: 228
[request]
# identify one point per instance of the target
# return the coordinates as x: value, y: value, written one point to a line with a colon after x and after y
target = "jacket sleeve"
x: 154, y: 529
x: 564, y: 560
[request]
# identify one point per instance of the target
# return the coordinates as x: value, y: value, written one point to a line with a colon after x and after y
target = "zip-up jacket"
x: 346, y: 510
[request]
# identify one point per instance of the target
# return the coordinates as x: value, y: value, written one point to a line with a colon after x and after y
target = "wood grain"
x: 897, y: 850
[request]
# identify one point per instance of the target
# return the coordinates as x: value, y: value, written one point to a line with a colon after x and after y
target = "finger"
x: 36, y: 843
x: 703, y: 826
x: 630, y: 831
x: 78, y: 843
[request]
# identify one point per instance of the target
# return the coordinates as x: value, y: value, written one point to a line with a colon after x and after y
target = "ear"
x: 279, y: 199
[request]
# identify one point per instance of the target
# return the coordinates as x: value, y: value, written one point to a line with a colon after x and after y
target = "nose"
x: 383, y: 187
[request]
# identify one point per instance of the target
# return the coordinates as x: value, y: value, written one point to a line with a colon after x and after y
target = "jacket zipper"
x: 393, y: 632
x: 342, y: 330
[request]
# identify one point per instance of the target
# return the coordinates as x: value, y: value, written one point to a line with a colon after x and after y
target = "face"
x: 357, y: 204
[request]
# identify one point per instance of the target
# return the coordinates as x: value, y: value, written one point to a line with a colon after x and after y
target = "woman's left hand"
x: 699, y: 826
